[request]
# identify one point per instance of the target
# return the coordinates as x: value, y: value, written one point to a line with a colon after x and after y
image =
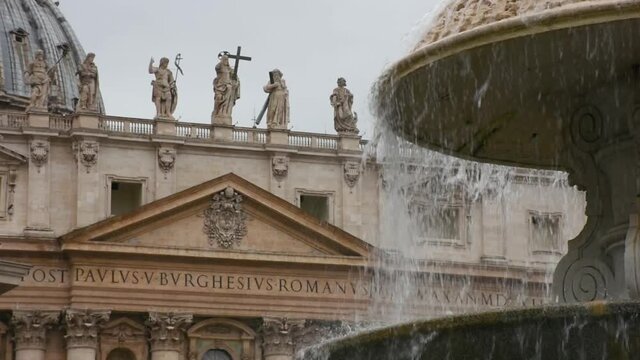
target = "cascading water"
x: 546, y: 84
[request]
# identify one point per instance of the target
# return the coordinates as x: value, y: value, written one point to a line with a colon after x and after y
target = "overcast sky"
x: 311, y: 42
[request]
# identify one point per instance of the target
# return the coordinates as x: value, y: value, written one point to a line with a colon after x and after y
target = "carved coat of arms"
x: 225, y: 220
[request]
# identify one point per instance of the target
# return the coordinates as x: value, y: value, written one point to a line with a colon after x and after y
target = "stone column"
x: 278, y: 338
x: 351, y: 203
x: 88, y: 210
x: 166, y: 334
x: 279, y: 173
x: 82, y: 329
x: 30, y: 333
x: 165, y: 171
x: 38, y: 192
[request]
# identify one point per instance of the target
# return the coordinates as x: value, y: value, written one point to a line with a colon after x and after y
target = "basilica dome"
x: 27, y: 26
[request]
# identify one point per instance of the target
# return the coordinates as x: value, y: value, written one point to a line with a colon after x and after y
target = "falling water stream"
x: 426, y: 194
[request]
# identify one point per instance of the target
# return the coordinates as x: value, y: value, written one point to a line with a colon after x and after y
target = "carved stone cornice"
x: 166, y: 330
x: 278, y: 336
x: 83, y: 326
x: 30, y: 328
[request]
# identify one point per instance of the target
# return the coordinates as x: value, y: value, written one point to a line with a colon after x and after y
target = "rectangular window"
x: 440, y: 224
x: 317, y: 206
x: 317, y: 203
x: 124, y: 194
x: 545, y: 232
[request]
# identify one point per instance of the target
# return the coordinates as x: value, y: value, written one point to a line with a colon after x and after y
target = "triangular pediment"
x: 11, y: 157
x: 227, y: 216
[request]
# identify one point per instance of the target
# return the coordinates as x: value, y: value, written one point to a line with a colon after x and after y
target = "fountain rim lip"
x: 593, y: 309
x: 573, y: 15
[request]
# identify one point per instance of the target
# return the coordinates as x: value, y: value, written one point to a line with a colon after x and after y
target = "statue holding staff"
x: 226, y: 91
x: 37, y: 77
x: 165, y: 92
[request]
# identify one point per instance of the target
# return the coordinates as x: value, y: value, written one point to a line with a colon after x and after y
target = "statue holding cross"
x: 226, y: 87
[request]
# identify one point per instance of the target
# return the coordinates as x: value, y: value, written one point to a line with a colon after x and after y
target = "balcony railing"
x: 126, y: 125
x: 144, y: 127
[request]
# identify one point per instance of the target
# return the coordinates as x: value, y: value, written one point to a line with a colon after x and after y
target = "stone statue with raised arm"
x: 37, y: 76
x: 226, y: 91
x: 278, y: 102
x: 344, y: 119
x: 88, y: 84
x: 165, y: 93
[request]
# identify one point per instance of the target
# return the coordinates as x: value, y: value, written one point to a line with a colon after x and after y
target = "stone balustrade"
x: 118, y: 126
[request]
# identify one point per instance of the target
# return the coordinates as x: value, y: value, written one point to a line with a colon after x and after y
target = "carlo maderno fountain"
x: 551, y: 84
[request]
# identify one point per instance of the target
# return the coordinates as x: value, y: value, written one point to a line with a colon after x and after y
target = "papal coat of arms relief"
x: 225, y: 222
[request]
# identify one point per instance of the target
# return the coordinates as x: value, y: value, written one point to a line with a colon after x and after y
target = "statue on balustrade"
x: 88, y: 84
x: 165, y: 92
x: 37, y: 77
x: 344, y: 119
x: 226, y: 89
x: 278, y: 108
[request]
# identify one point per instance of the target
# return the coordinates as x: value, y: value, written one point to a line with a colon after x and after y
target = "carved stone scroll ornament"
x: 225, y: 222
x: 280, y: 166
x: 351, y: 173
x: 30, y: 328
x: 166, y: 159
x: 278, y: 336
x: 166, y: 330
x: 39, y: 153
x: 87, y: 153
x: 83, y: 327
x: 583, y: 274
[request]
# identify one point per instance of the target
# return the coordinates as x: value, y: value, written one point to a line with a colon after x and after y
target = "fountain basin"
x: 597, y: 330
x: 507, y: 90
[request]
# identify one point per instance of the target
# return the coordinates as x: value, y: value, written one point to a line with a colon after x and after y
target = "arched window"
x: 216, y: 355
x: 121, y: 354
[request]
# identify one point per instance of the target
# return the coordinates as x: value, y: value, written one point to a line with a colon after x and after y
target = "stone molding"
x: 166, y: 330
x: 280, y: 166
x: 39, y: 152
x: 166, y: 159
x: 351, y: 173
x: 86, y: 152
x: 30, y: 328
x: 278, y: 336
x: 83, y: 326
x: 225, y: 222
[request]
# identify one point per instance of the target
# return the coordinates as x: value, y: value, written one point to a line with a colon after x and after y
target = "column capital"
x: 278, y: 336
x: 30, y: 328
x: 166, y: 330
x: 82, y: 327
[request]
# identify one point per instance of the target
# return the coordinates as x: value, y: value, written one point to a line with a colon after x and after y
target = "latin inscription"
x: 267, y: 285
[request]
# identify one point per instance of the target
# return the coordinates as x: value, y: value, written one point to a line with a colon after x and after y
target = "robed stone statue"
x: 37, y: 77
x: 165, y: 92
x: 278, y: 108
x: 88, y: 84
x: 344, y: 119
x: 226, y: 89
